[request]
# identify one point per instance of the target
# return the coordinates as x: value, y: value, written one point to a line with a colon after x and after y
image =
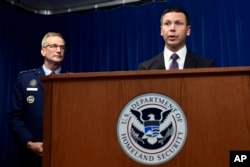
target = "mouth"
x: 172, y: 37
x: 58, y: 56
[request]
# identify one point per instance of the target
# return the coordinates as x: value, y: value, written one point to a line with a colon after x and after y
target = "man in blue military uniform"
x: 25, y: 118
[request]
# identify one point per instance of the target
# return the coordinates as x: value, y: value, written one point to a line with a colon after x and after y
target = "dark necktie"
x: 52, y: 73
x: 174, y: 64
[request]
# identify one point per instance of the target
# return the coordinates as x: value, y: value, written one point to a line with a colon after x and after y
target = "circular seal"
x: 152, y: 129
x: 30, y: 99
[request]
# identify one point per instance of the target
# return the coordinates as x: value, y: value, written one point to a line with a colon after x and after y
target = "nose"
x: 61, y: 47
x: 58, y: 48
x: 172, y: 27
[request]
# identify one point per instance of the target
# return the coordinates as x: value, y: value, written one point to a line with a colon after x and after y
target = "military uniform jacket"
x: 25, y: 117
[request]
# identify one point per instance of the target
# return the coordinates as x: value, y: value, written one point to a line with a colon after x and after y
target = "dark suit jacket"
x: 192, y: 61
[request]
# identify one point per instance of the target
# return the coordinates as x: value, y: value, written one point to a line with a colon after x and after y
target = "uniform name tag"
x: 32, y: 89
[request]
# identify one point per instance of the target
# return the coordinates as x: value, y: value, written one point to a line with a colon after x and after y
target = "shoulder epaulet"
x: 22, y: 72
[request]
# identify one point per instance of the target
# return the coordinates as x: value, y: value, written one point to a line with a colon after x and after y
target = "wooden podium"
x: 82, y: 110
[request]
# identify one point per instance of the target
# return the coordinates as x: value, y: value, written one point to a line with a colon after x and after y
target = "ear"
x: 161, y: 30
x: 42, y: 52
x: 188, y: 30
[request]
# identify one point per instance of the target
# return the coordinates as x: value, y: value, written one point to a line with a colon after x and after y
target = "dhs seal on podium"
x: 152, y: 129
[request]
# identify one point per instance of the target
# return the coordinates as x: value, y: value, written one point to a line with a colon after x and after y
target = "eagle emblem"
x: 152, y: 127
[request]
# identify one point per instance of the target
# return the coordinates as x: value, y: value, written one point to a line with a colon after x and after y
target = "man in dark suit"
x: 175, y: 27
x: 25, y: 118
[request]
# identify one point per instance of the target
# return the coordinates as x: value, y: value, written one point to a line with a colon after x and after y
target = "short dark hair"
x: 178, y: 10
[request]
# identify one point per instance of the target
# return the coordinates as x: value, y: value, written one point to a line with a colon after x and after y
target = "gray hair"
x: 50, y: 34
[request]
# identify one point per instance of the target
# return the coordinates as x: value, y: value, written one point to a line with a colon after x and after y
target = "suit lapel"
x: 190, y: 61
x: 159, y: 63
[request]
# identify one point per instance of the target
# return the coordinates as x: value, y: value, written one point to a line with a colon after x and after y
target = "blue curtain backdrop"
x: 115, y: 40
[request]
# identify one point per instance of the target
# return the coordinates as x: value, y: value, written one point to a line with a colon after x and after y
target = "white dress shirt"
x: 181, y: 53
x: 48, y: 71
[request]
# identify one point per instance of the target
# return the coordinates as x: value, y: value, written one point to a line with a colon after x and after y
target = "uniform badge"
x: 33, y: 83
x: 30, y: 99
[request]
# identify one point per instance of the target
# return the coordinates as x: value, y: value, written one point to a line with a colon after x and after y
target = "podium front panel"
x: 82, y: 110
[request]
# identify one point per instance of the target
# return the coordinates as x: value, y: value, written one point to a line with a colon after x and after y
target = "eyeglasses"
x: 55, y: 46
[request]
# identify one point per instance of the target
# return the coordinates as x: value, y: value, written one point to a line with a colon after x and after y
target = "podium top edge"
x: 138, y: 73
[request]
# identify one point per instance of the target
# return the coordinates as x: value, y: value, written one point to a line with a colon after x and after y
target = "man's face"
x: 54, y: 49
x: 174, y: 30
